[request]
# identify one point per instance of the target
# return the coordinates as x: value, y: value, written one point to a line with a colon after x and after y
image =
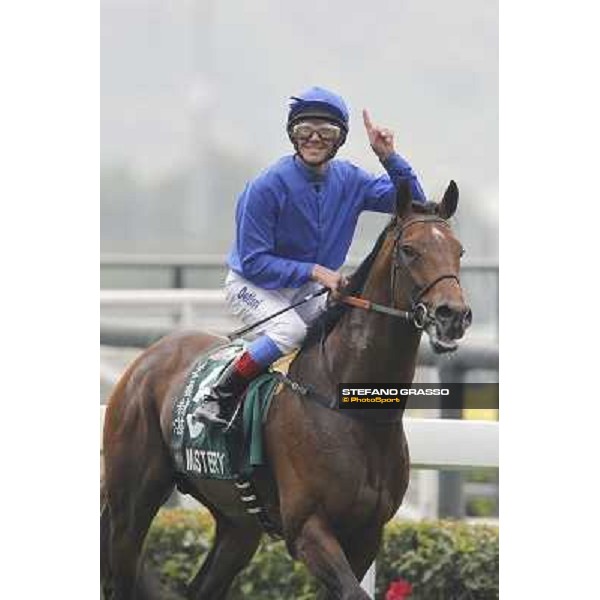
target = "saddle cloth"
x: 207, y: 450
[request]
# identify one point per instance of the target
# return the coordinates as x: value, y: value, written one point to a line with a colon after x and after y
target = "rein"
x: 418, y: 315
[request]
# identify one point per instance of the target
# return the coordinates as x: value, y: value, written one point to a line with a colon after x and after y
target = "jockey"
x: 294, y: 225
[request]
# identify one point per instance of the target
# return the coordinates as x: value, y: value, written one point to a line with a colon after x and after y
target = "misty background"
x: 194, y: 99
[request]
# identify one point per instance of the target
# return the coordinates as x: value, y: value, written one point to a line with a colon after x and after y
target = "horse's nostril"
x: 443, y: 312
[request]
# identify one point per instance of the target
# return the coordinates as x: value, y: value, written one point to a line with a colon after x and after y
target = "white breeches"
x: 251, y: 304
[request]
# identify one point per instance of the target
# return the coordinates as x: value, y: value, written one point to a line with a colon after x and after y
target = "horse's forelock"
x: 425, y: 208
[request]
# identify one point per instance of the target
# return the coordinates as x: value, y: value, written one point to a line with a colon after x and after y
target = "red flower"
x: 398, y: 590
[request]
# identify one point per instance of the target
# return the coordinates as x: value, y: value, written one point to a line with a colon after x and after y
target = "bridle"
x: 418, y: 313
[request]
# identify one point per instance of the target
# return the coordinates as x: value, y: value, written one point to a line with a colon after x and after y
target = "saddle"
x: 209, y: 451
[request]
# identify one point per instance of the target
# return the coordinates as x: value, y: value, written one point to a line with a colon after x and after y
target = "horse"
x: 334, y: 477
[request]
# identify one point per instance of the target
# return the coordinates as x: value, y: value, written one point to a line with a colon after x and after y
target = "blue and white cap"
x: 319, y: 103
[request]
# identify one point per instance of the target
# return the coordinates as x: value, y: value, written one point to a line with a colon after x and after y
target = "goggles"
x: 327, y: 132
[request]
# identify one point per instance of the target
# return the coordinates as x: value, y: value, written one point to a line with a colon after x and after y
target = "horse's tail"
x: 105, y: 574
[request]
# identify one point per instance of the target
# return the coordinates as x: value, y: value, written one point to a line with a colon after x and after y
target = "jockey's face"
x: 315, y: 139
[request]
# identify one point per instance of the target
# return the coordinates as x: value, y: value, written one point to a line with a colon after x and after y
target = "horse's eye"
x: 462, y: 252
x: 409, y: 252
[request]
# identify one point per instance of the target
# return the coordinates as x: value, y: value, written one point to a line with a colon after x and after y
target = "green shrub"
x: 443, y: 560
x: 480, y: 506
x: 177, y: 543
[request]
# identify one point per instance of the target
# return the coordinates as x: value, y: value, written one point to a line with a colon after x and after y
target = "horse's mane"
x: 325, y: 323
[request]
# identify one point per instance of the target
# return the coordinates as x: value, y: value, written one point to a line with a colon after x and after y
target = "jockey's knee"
x: 290, y: 335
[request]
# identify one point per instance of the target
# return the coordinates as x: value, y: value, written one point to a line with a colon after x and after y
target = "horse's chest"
x: 379, y: 478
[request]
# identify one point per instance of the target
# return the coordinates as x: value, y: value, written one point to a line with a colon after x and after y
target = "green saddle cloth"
x: 206, y: 450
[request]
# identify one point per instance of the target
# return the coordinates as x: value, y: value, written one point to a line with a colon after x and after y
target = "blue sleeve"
x: 256, y: 223
x: 380, y: 192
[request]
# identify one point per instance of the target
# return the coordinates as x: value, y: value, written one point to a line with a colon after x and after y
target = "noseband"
x: 418, y: 312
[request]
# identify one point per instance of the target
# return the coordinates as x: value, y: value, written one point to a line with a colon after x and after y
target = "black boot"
x: 227, y: 391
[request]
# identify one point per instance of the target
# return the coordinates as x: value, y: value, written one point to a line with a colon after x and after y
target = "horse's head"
x: 425, y: 268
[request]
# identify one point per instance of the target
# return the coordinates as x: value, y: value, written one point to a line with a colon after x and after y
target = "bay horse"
x: 334, y: 477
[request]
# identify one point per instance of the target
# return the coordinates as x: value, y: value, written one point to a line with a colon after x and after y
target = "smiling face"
x: 316, y: 140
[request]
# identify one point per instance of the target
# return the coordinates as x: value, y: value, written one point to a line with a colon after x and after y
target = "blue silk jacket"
x: 288, y: 219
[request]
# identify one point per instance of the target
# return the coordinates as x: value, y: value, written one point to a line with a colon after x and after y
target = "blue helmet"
x: 319, y: 103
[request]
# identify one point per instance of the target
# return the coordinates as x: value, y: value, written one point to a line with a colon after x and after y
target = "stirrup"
x: 233, y: 417
x: 205, y: 416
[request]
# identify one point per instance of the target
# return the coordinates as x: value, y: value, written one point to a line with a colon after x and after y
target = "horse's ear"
x: 403, y: 199
x: 447, y: 207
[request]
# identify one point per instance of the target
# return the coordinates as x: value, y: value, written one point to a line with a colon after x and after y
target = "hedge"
x: 443, y: 560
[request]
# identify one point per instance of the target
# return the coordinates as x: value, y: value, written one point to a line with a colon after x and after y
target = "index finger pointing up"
x: 367, y: 120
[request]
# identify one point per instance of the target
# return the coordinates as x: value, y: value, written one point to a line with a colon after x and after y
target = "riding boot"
x: 228, y: 390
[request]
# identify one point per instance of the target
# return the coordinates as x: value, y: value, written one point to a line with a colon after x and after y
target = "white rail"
x: 172, y: 298
x: 187, y: 307
x: 452, y: 443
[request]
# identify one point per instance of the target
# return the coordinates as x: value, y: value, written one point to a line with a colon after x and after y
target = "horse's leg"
x: 361, y: 549
x: 234, y: 546
x: 319, y: 549
x: 138, y: 481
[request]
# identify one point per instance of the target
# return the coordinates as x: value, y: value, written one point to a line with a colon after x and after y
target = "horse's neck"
x: 370, y: 347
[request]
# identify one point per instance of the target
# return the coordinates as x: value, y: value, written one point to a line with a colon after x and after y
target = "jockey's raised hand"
x: 380, y: 138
